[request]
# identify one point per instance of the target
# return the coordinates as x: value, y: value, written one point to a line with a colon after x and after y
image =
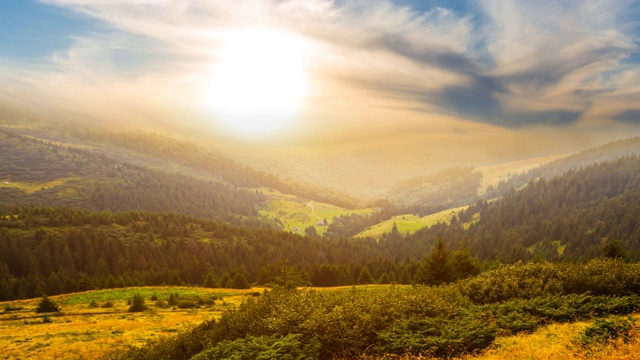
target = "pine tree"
x: 365, y: 276
x: 614, y: 250
x: 384, y: 279
x: 435, y: 270
x: 47, y: 305
x: 463, y: 265
x: 137, y: 304
x: 210, y: 281
x: 225, y: 282
x: 239, y: 282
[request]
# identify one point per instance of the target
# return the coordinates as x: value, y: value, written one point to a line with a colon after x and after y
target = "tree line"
x: 59, y: 250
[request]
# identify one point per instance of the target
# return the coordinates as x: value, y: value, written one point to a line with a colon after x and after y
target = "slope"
x: 38, y: 172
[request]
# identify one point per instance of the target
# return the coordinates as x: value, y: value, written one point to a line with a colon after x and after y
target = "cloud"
x: 506, y: 63
x: 629, y: 116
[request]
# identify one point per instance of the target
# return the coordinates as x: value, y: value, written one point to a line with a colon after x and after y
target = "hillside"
x: 576, y: 217
x: 439, y: 322
x: 410, y: 223
x: 443, y: 190
x: 607, y: 152
x: 42, y: 173
x: 300, y: 215
x: 176, y: 156
x: 569, y: 217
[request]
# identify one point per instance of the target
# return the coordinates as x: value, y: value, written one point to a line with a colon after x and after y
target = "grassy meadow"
x: 295, y: 214
x: 410, y: 223
x: 32, y: 187
x: 492, y: 175
x: 86, y: 329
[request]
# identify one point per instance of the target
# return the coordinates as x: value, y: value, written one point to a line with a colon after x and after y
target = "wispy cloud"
x: 506, y: 63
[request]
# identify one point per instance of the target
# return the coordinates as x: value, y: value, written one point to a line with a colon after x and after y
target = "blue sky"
x: 30, y: 30
x: 429, y: 65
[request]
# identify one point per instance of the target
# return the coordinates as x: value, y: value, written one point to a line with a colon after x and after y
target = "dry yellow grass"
x: 556, y: 341
x: 84, y: 332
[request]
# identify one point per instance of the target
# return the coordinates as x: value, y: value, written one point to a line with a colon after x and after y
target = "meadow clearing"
x: 295, y: 214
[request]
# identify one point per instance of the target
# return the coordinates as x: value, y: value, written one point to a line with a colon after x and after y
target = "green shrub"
x: 438, y: 336
x: 601, y: 277
x: 517, y: 281
x: 47, y: 305
x: 477, y: 327
x: 137, y: 304
x: 603, y: 330
x: 264, y: 348
x: 162, y: 304
x: 108, y: 304
x: 173, y: 299
x: 10, y: 308
x: 184, y: 304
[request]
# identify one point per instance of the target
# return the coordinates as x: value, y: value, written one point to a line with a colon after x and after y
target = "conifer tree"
x: 210, y: 281
x: 47, y: 305
x: 365, y: 276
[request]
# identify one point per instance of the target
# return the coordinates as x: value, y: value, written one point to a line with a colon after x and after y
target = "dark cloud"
x: 437, y: 56
x: 478, y: 100
x: 554, y: 117
x: 629, y: 116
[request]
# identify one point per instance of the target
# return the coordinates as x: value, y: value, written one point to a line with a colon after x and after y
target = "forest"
x: 579, y: 216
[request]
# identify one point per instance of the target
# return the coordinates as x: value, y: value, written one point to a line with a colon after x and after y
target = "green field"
x: 410, y: 223
x: 31, y: 188
x: 295, y: 214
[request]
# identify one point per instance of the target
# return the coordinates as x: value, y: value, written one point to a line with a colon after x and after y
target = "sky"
x: 332, y: 71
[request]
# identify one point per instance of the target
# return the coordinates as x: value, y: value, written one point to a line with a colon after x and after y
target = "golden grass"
x: 84, y: 332
x: 555, y: 341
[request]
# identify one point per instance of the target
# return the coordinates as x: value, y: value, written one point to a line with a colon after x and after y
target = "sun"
x: 258, y: 82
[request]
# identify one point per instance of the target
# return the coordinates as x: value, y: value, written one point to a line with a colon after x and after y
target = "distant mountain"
x: 606, y: 152
x: 568, y: 217
x: 152, y: 150
x: 443, y: 190
x: 45, y: 173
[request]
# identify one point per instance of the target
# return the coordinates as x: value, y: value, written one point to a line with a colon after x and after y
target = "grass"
x: 31, y: 188
x: 558, y: 341
x: 555, y: 341
x: 492, y: 175
x: 409, y: 223
x: 559, y: 247
x: 82, y: 331
x: 294, y: 212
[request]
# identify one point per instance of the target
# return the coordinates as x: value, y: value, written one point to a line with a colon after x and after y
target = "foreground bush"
x: 439, y: 321
x: 344, y: 322
x: 477, y: 327
x: 263, y: 348
x: 527, y: 281
x: 603, y: 330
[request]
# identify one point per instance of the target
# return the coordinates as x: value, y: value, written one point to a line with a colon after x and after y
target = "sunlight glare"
x: 259, y: 81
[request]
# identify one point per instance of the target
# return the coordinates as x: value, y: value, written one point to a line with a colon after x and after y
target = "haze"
x: 355, y: 94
